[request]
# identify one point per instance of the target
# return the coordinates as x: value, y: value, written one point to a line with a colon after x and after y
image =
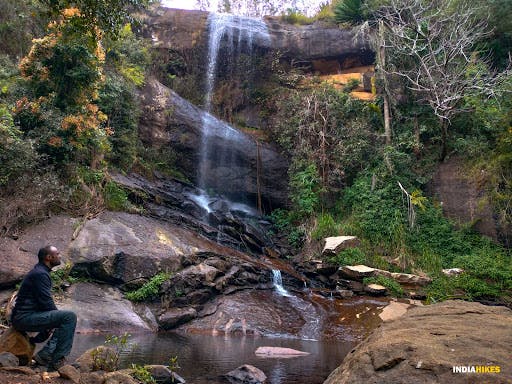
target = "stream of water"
x: 203, y: 358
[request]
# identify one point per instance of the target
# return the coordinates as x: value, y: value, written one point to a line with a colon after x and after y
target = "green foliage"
x: 325, y: 226
x: 349, y: 256
x: 394, y: 288
x: 295, y: 17
x: 142, y: 374
x: 115, y: 197
x: 108, y: 359
x: 351, y: 85
x: 109, y: 15
x: 150, y: 289
x: 62, y: 277
x: 305, y: 185
x: 325, y: 13
x: 16, y: 155
x: 173, y: 363
x: 349, y: 12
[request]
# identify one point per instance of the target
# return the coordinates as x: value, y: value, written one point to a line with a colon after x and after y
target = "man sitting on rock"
x: 35, y: 311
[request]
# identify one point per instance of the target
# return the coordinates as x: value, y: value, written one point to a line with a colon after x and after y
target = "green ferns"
x: 150, y: 289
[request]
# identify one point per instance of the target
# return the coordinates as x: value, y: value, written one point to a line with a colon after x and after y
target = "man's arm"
x: 43, y: 293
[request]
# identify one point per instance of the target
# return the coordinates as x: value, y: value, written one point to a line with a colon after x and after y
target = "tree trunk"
x: 417, y: 143
x: 382, y: 64
x: 444, y: 138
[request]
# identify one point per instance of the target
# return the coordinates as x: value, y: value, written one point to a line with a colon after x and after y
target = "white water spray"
x: 277, y: 280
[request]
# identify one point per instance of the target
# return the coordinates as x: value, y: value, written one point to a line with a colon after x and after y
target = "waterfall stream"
x: 235, y: 35
x: 277, y: 280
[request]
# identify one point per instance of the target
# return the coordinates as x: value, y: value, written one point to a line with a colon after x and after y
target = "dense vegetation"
x: 350, y: 175
x: 67, y: 107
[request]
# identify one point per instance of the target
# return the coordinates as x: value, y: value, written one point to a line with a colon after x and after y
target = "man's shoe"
x: 40, y: 360
x: 56, y: 365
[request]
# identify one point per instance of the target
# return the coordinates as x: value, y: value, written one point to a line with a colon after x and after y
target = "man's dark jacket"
x: 35, y: 294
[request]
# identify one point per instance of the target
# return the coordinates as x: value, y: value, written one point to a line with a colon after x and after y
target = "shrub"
x: 107, y: 359
x: 295, y: 17
x: 325, y: 227
x: 142, y: 374
x: 349, y: 256
x: 150, y: 289
x: 351, y: 85
x: 115, y: 197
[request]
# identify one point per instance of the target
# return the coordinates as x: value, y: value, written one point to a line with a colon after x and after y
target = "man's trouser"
x: 64, y: 323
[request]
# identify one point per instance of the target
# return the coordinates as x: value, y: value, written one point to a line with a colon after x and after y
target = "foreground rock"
x: 246, y: 374
x: 16, y: 344
x: 426, y: 343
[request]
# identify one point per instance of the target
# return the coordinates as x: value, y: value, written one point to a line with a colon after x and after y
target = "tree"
x: 108, y: 15
x: 433, y: 44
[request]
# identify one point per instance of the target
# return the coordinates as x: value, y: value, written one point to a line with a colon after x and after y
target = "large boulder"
x: 176, y: 316
x: 118, y: 247
x: 425, y: 344
x: 85, y: 299
x: 17, y: 343
x: 170, y: 120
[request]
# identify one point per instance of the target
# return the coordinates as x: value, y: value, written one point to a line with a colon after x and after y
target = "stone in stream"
x: 246, y: 374
x: 279, y: 352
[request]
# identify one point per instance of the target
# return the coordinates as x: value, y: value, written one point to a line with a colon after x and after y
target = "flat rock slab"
x: 426, y: 343
x: 279, y: 352
x: 333, y: 245
x: 357, y: 271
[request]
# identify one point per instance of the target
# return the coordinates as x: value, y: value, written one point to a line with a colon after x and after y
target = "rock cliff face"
x: 185, y: 30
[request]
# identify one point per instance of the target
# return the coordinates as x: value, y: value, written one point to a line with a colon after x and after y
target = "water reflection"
x: 204, y: 358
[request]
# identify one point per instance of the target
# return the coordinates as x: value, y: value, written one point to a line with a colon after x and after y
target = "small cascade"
x: 277, y: 280
x: 234, y: 34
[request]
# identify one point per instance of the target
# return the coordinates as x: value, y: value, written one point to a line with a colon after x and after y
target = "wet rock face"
x: 423, y: 345
x: 169, y: 120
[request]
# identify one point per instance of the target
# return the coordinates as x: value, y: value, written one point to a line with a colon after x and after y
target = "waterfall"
x: 277, y: 280
x: 232, y: 33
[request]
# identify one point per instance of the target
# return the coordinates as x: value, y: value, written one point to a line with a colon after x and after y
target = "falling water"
x: 278, y: 283
x: 231, y: 32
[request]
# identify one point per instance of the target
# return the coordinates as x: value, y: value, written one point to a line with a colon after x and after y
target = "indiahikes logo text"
x: 476, y: 369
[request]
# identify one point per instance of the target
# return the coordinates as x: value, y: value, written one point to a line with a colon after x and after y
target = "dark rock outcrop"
x: 463, y: 199
x: 426, y: 343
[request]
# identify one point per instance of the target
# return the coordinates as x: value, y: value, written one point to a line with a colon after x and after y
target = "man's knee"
x: 68, y: 317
